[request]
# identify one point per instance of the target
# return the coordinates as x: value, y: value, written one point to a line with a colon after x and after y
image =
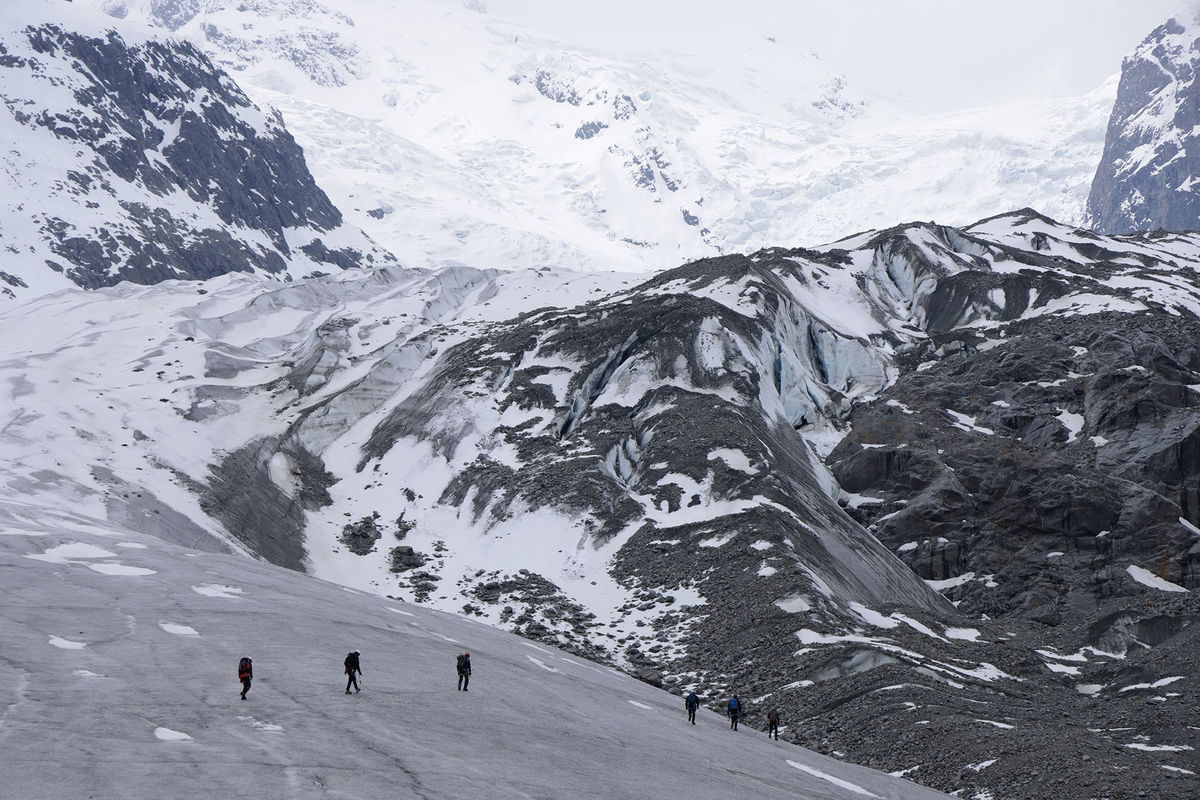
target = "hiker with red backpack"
x: 245, y: 674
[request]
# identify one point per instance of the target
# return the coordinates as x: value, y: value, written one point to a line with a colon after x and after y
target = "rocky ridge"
x: 1146, y: 179
x: 148, y: 163
x: 649, y: 474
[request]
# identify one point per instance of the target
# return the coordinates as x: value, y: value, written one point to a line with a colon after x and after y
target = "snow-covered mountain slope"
x: 455, y: 137
x: 128, y: 157
x: 118, y: 680
x: 1147, y: 177
x: 953, y: 168
x: 636, y: 472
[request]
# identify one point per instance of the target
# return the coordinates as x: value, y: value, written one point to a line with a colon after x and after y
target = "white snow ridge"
x: 1148, y: 578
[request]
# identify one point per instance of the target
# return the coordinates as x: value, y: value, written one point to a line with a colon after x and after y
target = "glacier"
x: 119, y: 681
x: 454, y: 136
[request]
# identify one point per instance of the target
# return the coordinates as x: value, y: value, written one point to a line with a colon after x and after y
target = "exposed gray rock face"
x: 1028, y: 468
x: 149, y: 163
x: 241, y: 495
x: 1148, y: 176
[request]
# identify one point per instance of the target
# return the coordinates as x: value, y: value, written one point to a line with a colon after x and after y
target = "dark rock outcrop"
x: 405, y: 558
x: 1038, y: 470
x: 1149, y: 175
x: 360, y: 536
x: 157, y: 167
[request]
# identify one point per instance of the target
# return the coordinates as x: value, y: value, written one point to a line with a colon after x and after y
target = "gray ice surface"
x: 98, y: 675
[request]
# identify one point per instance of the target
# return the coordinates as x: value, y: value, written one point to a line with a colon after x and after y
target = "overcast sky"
x: 931, y: 55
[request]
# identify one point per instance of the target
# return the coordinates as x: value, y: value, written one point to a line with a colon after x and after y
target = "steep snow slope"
x: 455, y: 137
x: 131, y: 158
x: 119, y: 681
x: 1147, y: 177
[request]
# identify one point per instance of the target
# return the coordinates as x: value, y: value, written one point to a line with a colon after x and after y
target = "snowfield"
x: 129, y: 708
x: 454, y: 136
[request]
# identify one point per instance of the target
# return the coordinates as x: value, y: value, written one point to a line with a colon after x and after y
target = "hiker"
x: 773, y: 724
x: 464, y: 671
x: 245, y: 674
x: 352, y: 671
x: 735, y: 710
x: 691, y: 703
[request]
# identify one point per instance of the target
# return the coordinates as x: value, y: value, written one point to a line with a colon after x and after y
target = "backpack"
x: 462, y: 662
x: 244, y: 667
x: 773, y: 716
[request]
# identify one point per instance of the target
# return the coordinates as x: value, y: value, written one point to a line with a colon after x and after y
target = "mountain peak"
x: 150, y: 164
x: 1147, y: 176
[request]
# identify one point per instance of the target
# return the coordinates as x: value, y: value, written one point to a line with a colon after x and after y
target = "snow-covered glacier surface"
x: 437, y: 434
x: 452, y: 136
x: 119, y: 680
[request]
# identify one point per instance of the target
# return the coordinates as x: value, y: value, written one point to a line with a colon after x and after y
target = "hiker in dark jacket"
x: 353, y: 670
x: 245, y: 674
x: 691, y: 703
x: 735, y: 711
x: 464, y: 671
x: 773, y: 724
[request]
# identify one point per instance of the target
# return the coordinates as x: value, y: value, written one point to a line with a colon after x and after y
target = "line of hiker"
x: 352, y: 668
x: 735, y: 710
